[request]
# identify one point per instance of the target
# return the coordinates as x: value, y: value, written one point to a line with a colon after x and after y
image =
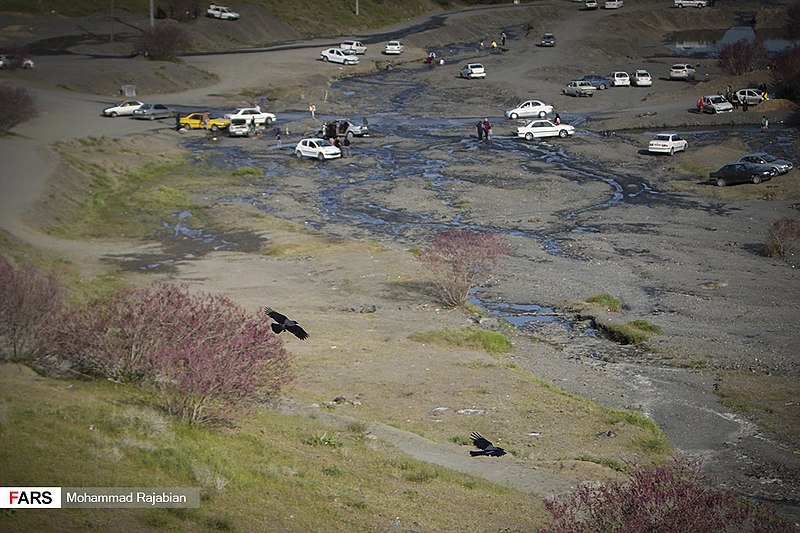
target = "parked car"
x: 544, y: 128
x: 317, y: 148
x: 612, y: 4
x: 579, y: 88
x: 590, y: 5
x: 194, y: 121
x: 781, y: 166
x: 337, y: 55
x: 259, y: 118
x: 619, y: 79
x: 15, y: 62
x: 394, y: 48
x: 548, y: 39
x: 473, y: 70
x: 681, y: 71
x: 354, y: 46
x: 597, y: 81
x: 124, y: 108
x: 752, y: 96
x: 530, y: 108
x: 716, y: 103
x: 343, y: 128
x: 667, y: 143
x: 741, y: 173
x: 691, y: 3
x: 641, y: 78
x: 153, y: 111
x: 241, y: 127
x: 221, y: 12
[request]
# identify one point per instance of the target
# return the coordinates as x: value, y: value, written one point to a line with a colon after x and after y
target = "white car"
x: 221, y: 12
x: 473, y: 70
x: 716, y: 103
x: 124, y: 108
x: 579, y: 88
x: 613, y: 4
x: 641, y: 78
x: 691, y: 3
x: 394, y: 48
x: 544, y: 128
x: 253, y: 114
x: 590, y: 4
x: 355, y: 47
x: 337, y: 55
x: 317, y: 148
x: 681, y: 71
x: 530, y: 108
x: 753, y: 96
x: 667, y: 143
x: 619, y: 79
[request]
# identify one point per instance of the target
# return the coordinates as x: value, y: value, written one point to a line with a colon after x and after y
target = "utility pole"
x: 356, y: 7
x: 112, y: 22
x: 152, y: 16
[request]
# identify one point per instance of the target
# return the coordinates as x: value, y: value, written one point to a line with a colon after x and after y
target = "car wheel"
x: 756, y: 179
x: 720, y: 182
x: 214, y: 128
x: 187, y: 127
x: 591, y: 94
x: 321, y: 156
x: 298, y: 154
x: 325, y: 58
x: 529, y: 136
x: 348, y: 135
x: 542, y: 114
x: 562, y: 133
x: 513, y: 116
x: 602, y: 86
x: 151, y: 117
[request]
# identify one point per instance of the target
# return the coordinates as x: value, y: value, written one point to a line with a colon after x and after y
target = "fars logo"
x: 30, y: 497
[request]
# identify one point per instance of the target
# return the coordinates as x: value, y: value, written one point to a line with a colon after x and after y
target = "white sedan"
x: 394, y: 48
x: 641, y: 78
x: 126, y: 107
x: 317, y: 148
x: 530, y: 108
x: 667, y: 143
x: 337, y: 55
x: 544, y: 128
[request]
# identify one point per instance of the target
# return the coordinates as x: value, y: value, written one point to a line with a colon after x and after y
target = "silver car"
x: 579, y: 88
x: 781, y: 166
x: 153, y: 111
x: 752, y: 96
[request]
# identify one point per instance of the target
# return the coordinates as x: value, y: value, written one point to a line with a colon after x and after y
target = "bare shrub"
x: 29, y: 303
x: 672, y: 497
x: 784, y: 73
x: 202, y: 354
x: 163, y: 42
x: 745, y: 55
x: 783, y: 238
x: 793, y: 20
x: 459, y: 260
x: 16, y: 106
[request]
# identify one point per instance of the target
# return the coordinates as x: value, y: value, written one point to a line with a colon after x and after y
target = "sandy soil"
x: 679, y: 253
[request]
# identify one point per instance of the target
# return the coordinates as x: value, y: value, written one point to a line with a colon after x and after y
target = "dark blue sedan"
x: 598, y: 81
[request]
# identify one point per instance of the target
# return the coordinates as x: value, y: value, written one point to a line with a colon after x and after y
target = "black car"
x: 548, y: 39
x: 742, y: 173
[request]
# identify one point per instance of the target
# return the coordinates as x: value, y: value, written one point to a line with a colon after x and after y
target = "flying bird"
x: 284, y: 323
x: 486, y: 447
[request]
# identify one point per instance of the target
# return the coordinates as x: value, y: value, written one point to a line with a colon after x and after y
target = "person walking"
x: 487, y: 130
x: 764, y: 123
x: 479, y: 128
x: 701, y: 105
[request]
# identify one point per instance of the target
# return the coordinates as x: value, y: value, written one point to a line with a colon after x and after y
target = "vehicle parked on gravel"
x: 530, y: 108
x: 343, y: 128
x: 544, y: 128
x: 598, y: 81
x: 579, y: 88
x: 548, y: 39
x: 781, y: 166
x: 641, y: 78
x: 681, y: 71
x: 259, y: 118
x: 691, y: 3
x: 612, y: 4
x: 472, y: 71
x: 241, y: 127
x: 221, y: 12
x: 15, y: 62
x: 716, y: 103
x: 753, y: 96
x: 337, y: 55
x: 741, y: 173
x: 590, y: 5
x: 153, y: 111
x: 316, y: 148
x: 619, y: 79
x: 667, y: 143
x: 394, y: 48
x: 124, y: 108
x: 197, y: 120
x: 355, y: 47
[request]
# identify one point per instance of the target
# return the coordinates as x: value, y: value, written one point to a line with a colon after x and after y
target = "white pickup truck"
x: 221, y: 12
x: 691, y: 3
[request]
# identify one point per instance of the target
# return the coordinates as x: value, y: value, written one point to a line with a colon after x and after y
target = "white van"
x: 619, y: 79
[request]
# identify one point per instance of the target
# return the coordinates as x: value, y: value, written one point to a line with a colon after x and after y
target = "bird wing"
x: 479, y: 441
x: 276, y: 316
x: 299, y: 332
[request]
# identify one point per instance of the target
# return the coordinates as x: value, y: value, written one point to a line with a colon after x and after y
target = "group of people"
x: 484, y: 130
x: 494, y: 45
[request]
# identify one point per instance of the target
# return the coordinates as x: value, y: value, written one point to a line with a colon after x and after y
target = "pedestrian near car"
x: 744, y: 104
x: 205, y: 120
x: 557, y: 120
x: 700, y: 105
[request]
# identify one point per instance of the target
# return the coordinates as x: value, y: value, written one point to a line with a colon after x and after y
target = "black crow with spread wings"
x: 284, y: 323
x: 486, y: 447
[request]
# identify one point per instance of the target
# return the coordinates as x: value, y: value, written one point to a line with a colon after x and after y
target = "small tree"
x: 668, y: 498
x: 783, y: 238
x: 16, y: 106
x: 163, y: 42
x: 459, y: 260
x: 785, y: 72
x: 745, y: 55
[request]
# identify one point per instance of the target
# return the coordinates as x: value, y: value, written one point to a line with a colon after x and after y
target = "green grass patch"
x: 248, y: 171
x: 636, y: 332
x: 607, y: 462
x: 471, y: 338
x: 606, y: 301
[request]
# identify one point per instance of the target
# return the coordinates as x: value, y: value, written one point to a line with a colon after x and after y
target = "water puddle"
x: 705, y: 43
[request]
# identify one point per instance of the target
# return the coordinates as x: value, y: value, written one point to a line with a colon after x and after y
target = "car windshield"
x: 768, y: 158
x: 662, y: 138
x: 322, y: 142
x: 716, y: 100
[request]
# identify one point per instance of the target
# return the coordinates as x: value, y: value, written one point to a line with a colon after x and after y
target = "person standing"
x: 205, y: 120
x: 487, y: 130
x: 479, y: 128
x: 744, y: 104
x: 764, y: 123
x: 502, y: 38
x: 701, y: 104
x: 557, y: 120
